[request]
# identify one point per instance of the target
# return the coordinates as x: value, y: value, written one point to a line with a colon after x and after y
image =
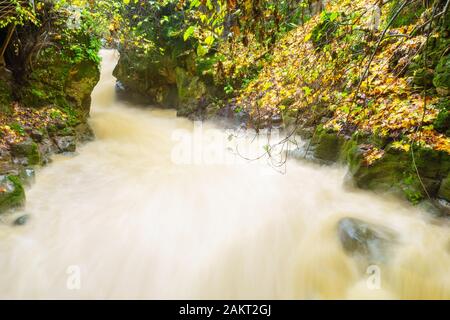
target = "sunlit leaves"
x: 189, y: 32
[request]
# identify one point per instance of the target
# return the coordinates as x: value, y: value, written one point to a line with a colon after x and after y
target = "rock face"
x: 327, y: 147
x: 165, y: 81
x: 66, y: 144
x: 147, y: 79
x: 55, y: 81
x: 444, y: 189
x: 191, y: 90
x: 370, y: 242
x: 51, y: 80
x: 174, y: 77
x: 441, y: 78
x: 395, y: 172
x: 26, y: 152
x: 12, y: 194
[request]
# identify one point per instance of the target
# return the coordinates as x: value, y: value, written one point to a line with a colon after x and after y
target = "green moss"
x: 441, y: 78
x: 444, y: 190
x: 190, y: 90
x: 325, y: 29
x: 428, y: 162
x: 384, y: 174
x: 442, y: 122
x: 349, y: 154
x: 328, y: 146
x: 28, y: 150
x: 423, y: 78
x: 395, y: 171
x: 12, y: 194
x: 59, y: 80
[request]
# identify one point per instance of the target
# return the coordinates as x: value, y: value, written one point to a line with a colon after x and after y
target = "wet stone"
x: 370, y: 242
x: 22, y: 220
x: 66, y: 144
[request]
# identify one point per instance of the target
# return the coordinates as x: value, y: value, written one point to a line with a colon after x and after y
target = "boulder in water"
x: 12, y: 194
x: 327, y: 147
x: 27, y: 175
x: 22, y: 220
x: 366, y: 240
x: 26, y: 152
x: 66, y: 144
x: 84, y: 132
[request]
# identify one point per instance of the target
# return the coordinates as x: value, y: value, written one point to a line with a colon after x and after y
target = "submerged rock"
x: 442, y: 208
x: 27, y: 175
x: 370, y: 242
x: 22, y: 220
x: 12, y: 194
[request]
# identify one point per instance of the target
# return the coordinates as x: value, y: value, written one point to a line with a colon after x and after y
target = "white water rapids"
x: 121, y: 219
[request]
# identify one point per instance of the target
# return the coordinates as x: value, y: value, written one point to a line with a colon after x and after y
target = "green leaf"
x: 202, y: 50
x: 189, y: 32
x: 209, y: 41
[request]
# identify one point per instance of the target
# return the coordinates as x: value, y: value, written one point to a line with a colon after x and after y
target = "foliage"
x: 326, y: 68
x: 23, y: 13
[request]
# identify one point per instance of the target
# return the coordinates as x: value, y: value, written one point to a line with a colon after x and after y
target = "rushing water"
x: 126, y: 218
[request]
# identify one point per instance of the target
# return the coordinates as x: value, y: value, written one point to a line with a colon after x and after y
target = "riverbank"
x: 368, y: 90
x: 45, y: 95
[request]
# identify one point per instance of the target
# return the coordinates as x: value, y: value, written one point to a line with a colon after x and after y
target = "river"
x: 139, y: 213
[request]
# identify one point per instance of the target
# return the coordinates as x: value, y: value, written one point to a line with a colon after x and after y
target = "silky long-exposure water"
x: 122, y: 219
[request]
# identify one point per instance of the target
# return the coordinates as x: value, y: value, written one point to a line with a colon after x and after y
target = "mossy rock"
x: 423, y: 77
x: 441, y: 78
x: 190, y: 88
x: 327, y: 146
x: 150, y: 78
x: 395, y: 172
x: 62, y: 83
x: 412, y: 188
x: 190, y: 91
x: 79, y: 86
x: 383, y: 174
x: 442, y: 122
x: 444, y: 190
x: 428, y: 162
x: 12, y: 194
x: 27, y: 150
x: 364, y: 240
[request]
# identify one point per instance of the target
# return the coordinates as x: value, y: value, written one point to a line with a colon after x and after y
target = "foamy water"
x: 122, y: 219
